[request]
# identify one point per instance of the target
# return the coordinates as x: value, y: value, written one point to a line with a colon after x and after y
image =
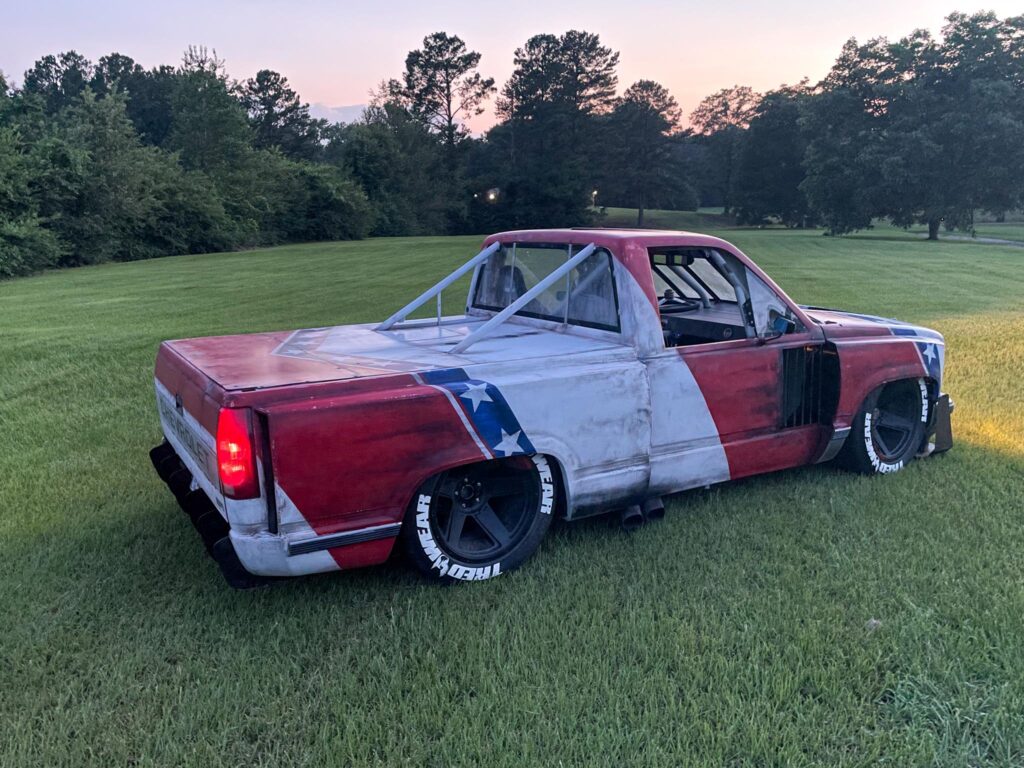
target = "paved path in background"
x: 984, y: 240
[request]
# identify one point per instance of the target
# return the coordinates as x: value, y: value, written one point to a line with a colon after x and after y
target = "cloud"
x: 344, y: 114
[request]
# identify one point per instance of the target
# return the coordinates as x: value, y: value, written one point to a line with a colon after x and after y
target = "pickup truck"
x: 593, y: 370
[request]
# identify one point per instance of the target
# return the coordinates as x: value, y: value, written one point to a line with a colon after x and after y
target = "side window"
x: 771, y: 313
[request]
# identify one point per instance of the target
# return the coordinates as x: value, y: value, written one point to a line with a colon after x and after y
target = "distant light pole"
x: 593, y: 199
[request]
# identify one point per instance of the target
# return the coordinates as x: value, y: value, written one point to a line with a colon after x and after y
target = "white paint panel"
x: 267, y: 555
x: 200, y: 475
x: 591, y: 412
x: 686, y: 451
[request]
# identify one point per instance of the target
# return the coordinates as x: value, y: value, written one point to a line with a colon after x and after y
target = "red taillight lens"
x: 236, y: 462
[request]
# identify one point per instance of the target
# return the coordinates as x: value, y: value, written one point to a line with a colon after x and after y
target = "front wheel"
x: 889, y: 428
x: 476, y: 522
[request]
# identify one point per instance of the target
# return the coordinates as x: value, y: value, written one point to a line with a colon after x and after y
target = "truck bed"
x: 311, y: 355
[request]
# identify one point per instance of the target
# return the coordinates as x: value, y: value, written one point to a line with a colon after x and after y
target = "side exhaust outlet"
x: 654, y: 509
x: 631, y: 518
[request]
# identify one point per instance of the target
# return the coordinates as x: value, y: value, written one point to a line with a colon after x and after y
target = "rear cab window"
x: 585, y: 297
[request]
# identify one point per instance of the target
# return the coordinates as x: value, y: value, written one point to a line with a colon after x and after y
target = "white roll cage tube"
x: 741, y: 293
x: 436, y: 290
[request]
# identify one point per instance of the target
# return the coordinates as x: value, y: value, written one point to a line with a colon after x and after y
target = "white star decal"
x: 477, y: 393
x: 929, y: 353
x: 509, y: 443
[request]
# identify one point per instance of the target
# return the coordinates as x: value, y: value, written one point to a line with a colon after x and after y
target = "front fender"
x: 866, y: 364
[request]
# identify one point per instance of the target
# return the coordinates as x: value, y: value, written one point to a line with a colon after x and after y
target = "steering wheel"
x: 678, y: 304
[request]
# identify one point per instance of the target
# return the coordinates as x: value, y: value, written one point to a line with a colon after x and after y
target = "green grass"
x: 735, y: 632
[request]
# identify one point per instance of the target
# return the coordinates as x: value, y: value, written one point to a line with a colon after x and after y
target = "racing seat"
x: 512, y: 284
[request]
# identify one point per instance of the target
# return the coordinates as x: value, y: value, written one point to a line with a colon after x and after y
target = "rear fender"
x: 351, y: 461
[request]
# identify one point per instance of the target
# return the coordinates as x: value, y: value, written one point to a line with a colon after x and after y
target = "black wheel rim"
x: 480, y: 514
x: 895, y: 419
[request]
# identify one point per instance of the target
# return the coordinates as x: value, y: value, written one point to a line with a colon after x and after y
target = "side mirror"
x: 781, y: 325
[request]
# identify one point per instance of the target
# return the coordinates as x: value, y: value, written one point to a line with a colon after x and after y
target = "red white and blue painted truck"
x: 592, y: 371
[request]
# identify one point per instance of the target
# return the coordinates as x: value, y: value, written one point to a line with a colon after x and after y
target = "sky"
x: 334, y: 53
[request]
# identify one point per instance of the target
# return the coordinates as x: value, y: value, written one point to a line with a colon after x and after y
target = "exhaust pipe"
x: 654, y: 509
x: 631, y: 518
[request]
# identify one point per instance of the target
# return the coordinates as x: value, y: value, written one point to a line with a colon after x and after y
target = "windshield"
x: 586, y: 296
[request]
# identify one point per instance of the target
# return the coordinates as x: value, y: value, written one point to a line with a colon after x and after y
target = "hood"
x: 837, y: 324
x: 852, y: 325
x: 258, y: 360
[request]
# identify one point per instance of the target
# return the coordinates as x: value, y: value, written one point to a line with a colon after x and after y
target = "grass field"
x: 805, y: 618
x: 707, y: 219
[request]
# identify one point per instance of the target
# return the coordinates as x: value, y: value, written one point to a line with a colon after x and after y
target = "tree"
x: 278, y: 117
x: 58, y: 80
x: 721, y: 120
x: 397, y: 161
x: 643, y: 166
x: 728, y: 108
x: 25, y: 245
x: 842, y: 123
x: 115, y: 70
x: 441, y: 86
x: 770, y: 165
x: 920, y: 131
x: 151, y: 103
x: 574, y: 72
x: 209, y: 126
x: 551, y: 139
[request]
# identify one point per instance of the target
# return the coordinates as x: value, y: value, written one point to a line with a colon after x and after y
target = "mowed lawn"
x: 810, y: 617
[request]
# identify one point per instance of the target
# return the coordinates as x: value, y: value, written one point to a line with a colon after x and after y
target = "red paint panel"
x: 769, y: 453
x: 740, y: 384
x: 360, y: 555
x: 867, y: 364
x: 355, y: 461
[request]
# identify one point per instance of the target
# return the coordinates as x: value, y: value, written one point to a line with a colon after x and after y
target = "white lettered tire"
x: 889, y: 429
x: 476, y: 522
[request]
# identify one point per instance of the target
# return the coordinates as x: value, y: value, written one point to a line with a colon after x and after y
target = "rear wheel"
x: 477, y: 522
x: 889, y: 428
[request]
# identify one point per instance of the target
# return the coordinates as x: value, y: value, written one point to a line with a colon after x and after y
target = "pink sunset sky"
x: 333, y: 53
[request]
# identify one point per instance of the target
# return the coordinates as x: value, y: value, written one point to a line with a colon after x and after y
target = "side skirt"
x: 332, y: 540
x: 835, y: 444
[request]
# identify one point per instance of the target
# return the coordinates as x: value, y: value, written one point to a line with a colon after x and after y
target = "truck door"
x: 738, y: 389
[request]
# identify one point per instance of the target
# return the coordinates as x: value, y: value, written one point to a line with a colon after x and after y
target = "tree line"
x: 111, y: 161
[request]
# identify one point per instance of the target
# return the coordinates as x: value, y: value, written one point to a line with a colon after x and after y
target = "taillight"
x: 236, y: 462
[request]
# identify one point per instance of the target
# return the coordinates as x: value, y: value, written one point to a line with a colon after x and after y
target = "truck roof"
x: 609, y: 237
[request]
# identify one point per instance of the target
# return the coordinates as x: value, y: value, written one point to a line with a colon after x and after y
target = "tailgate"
x: 188, y: 403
